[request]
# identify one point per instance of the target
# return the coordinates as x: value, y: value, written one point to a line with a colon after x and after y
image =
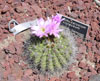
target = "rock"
x: 11, y: 61
x: 97, y: 57
x: 98, y: 45
x: 87, y: 5
x: 88, y: 74
x: 84, y: 78
x: 17, y: 72
x: 94, y: 26
x: 64, y: 76
x: 11, y: 49
x: 16, y: 58
x: 48, y: 13
x: 73, y: 15
x: 92, y: 70
x: 4, y: 36
x: 22, y: 0
x: 82, y: 65
x: 62, y: 79
x: 5, y: 31
x: 98, y: 37
x: 26, y: 6
x: 73, y: 80
x: 90, y: 56
x: 35, y: 78
x: 1, y: 76
x: 97, y: 66
x: 1, y: 73
x: 71, y: 75
x: 4, y: 21
x: 5, y: 74
x: 95, y: 78
x: 95, y: 50
x: 98, y: 70
x: 79, y: 57
x: 18, y: 80
x: 70, y: 67
x: 92, y: 35
x: 1, y: 32
x: 59, y: 3
x: 89, y: 44
x: 80, y: 2
x: 11, y: 78
x: 82, y: 72
x: 26, y: 78
x: 81, y: 7
x: 9, y: 1
x: 28, y: 72
x: 23, y: 64
x: 53, y: 79
x: 82, y: 49
x: 57, y: 80
x: 37, y: 9
x: 6, y: 65
x: 18, y: 48
x: 19, y: 9
x: 41, y: 78
x: 5, y: 9
x: 19, y: 38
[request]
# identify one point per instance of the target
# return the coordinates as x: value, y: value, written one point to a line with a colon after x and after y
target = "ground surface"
x: 12, y: 65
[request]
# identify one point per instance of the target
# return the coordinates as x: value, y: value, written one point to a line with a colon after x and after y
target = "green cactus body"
x: 50, y: 61
x: 43, y: 62
x: 56, y: 62
x: 68, y: 54
x: 50, y: 65
x: 62, y: 60
x: 37, y: 58
x: 50, y: 56
x: 32, y: 55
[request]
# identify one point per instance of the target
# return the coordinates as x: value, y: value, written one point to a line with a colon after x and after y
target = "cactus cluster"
x: 50, y: 57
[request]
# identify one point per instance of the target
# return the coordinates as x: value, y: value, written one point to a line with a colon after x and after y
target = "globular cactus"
x: 52, y: 57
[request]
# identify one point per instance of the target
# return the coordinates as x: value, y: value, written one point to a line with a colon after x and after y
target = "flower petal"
x: 41, y: 22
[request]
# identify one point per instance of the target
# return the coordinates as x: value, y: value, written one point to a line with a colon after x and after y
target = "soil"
x: 12, y: 65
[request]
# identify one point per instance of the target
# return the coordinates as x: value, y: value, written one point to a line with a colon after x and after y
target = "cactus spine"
x: 50, y: 57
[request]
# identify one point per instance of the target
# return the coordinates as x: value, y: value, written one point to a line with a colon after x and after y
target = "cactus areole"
x: 51, y: 47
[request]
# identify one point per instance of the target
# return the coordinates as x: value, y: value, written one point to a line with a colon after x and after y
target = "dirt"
x: 12, y: 65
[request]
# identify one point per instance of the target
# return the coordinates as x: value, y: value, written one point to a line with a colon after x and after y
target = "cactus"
x: 51, y: 57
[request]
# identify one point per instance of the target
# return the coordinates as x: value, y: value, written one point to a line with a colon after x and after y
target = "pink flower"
x: 54, y: 29
x: 54, y: 26
x: 48, y: 27
x: 41, y: 29
x: 57, y: 18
